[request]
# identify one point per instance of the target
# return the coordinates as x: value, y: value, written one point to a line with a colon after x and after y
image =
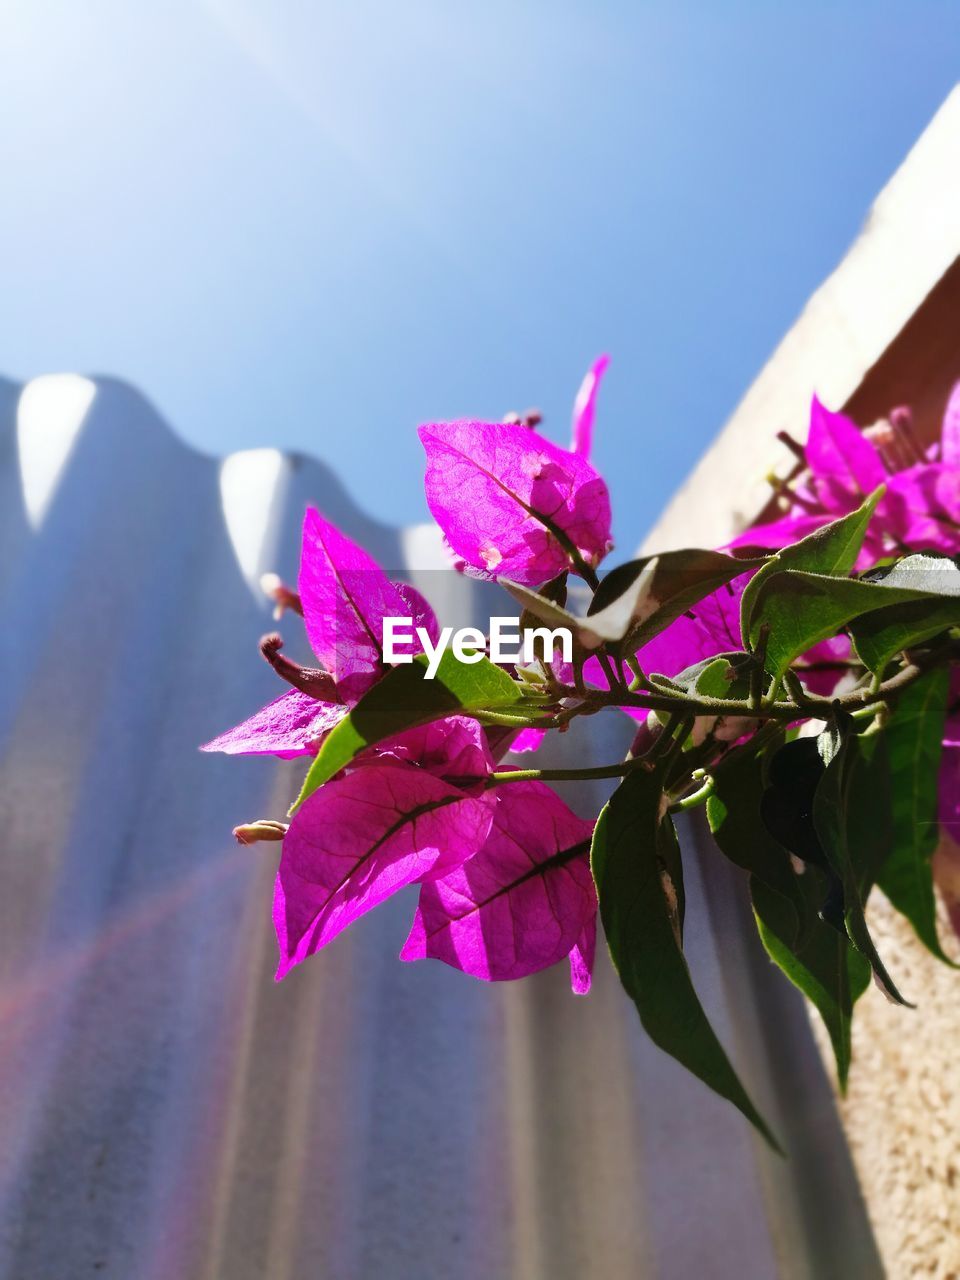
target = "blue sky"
x: 316, y: 225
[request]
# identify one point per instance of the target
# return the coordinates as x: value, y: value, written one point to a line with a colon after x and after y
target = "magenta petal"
x: 585, y: 407
x: 950, y: 433
x: 528, y: 740
x: 949, y: 791
x: 582, y: 957
x: 825, y: 661
x: 522, y: 902
x: 924, y: 507
x: 845, y: 465
x: 358, y: 840
x: 346, y: 596
x: 779, y: 533
x: 486, y: 485
x: 292, y: 725
x: 455, y: 749
x: 418, y: 607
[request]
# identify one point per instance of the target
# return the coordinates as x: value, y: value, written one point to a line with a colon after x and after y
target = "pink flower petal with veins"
x: 779, y: 533
x: 489, y: 483
x: 519, y: 905
x: 292, y: 725
x: 358, y: 840
x: 845, y: 465
x: 418, y: 608
x: 924, y: 507
x: 346, y: 596
x: 455, y: 749
x: 585, y: 407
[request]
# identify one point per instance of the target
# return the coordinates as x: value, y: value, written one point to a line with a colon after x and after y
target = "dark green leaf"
x: 733, y: 812
x: 912, y: 740
x: 934, y: 575
x: 634, y: 859
x: 554, y: 591
x: 839, y: 751
x: 830, y: 550
x: 815, y: 957
x: 879, y: 636
x: 801, y: 608
x: 822, y: 964
x: 724, y: 675
x: 405, y: 698
x: 590, y: 633
x: 675, y: 581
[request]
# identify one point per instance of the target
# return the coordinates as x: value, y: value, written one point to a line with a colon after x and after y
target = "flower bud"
x: 262, y: 829
x: 283, y: 597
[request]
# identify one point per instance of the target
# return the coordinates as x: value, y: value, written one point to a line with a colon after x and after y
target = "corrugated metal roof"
x: 166, y: 1110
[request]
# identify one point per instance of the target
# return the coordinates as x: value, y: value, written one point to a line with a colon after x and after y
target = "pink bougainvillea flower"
x: 585, y: 407
x: 924, y: 507
x: 521, y: 904
x: 454, y: 749
x: 780, y: 533
x: 292, y: 725
x: 359, y: 839
x: 845, y: 466
x: 712, y: 627
x: 344, y: 595
x: 419, y: 609
x: 502, y: 494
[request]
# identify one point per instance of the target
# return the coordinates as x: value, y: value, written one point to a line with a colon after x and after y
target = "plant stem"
x: 617, y: 770
x: 701, y: 704
x: 700, y: 796
x: 515, y: 722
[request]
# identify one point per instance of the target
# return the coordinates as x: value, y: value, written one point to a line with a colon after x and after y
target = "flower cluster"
x: 800, y: 683
x: 920, y: 511
x: 505, y: 880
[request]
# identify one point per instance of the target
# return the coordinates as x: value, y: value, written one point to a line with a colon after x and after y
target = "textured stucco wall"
x: 902, y: 1110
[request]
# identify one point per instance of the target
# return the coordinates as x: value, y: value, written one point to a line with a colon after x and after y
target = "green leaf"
x: 883, y: 633
x: 879, y: 636
x: 832, y: 807
x: 814, y: 956
x: 802, y: 608
x: 912, y: 740
x: 733, y: 812
x: 634, y: 859
x: 610, y: 624
x: 674, y: 582
x: 832, y: 549
x: 405, y: 698
x: 935, y: 575
x: 829, y: 972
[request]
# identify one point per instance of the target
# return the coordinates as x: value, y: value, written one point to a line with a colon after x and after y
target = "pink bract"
x: 522, y: 903
x: 846, y: 467
x: 491, y: 486
x: 454, y: 749
x: 292, y: 725
x: 346, y: 596
x: 358, y: 840
x: 585, y: 407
